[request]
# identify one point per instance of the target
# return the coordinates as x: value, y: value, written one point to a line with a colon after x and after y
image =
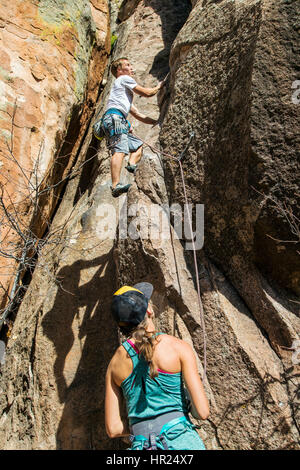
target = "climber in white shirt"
x: 117, y: 129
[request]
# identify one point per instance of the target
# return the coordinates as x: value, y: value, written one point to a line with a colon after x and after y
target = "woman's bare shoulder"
x: 119, y: 354
x: 173, y: 341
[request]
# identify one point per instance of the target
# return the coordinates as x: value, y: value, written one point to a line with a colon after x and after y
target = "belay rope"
x: 178, y: 159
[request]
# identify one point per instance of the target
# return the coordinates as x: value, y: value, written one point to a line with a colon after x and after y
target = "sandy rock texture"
x: 53, y: 55
x: 218, y: 55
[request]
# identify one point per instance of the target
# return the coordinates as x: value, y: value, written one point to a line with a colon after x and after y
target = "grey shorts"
x: 125, y: 143
x: 121, y: 142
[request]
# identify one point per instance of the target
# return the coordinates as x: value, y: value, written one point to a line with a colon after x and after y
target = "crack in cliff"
x: 294, y: 395
x: 33, y: 344
x: 215, y: 428
x: 5, y: 412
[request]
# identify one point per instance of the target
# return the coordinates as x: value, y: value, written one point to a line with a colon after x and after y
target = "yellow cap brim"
x: 124, y: 289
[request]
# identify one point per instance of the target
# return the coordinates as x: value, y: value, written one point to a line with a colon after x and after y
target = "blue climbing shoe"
x: 131, y: 168
x: 119, y: 189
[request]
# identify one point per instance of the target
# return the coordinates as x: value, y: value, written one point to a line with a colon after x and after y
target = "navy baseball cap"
x: 129, y: 304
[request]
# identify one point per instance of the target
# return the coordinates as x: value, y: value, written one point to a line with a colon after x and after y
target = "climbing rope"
x: 178, y: 159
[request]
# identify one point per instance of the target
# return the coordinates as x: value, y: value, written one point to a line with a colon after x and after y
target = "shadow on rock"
x: 82, y: 354
x: 173, y: 15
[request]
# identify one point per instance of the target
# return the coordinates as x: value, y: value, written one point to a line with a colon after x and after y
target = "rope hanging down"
x: 178, y: 159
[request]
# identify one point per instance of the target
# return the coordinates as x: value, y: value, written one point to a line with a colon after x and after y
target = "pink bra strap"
x: 133, y: 345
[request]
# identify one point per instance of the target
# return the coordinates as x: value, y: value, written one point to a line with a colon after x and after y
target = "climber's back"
x: 173, y: 361
x: 166, y: 357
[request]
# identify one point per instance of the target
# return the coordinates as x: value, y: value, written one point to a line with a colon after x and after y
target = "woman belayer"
x: 148, y: 370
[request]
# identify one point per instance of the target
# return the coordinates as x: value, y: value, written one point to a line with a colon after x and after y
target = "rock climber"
x: 117, y: 129
x: 148, y: 371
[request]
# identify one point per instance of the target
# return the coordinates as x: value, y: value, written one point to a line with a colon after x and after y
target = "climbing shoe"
x: 119, y: 189
x: 131, y: 168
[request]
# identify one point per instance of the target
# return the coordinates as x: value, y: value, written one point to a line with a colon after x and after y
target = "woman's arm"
x: 193, y: 381
x: 115, y: 424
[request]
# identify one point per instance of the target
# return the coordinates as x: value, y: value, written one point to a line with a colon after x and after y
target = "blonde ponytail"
x: 145, y: 342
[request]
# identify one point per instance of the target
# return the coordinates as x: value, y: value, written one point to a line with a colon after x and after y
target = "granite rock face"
x: 274, y: 165
x: 218, y: 55
x: 241, y: 161
x: 216, y: 104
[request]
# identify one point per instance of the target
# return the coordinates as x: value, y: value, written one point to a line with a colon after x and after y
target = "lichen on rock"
x: 75, y: 18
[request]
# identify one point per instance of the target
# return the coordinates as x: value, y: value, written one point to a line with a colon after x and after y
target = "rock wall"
x: 274, y: 165
x: 218, y: 71
x: 52, y: 383
x: 53, y: 55
x: 63, y: 348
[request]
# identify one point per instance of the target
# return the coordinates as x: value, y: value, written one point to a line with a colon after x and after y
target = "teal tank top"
x: 146, y: 397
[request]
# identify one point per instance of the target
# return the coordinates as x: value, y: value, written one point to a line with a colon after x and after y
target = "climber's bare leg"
x: 136, y: 156
x: 115, y: 167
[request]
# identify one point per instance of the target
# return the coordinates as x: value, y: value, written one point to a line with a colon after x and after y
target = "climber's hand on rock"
x: 156, y: 123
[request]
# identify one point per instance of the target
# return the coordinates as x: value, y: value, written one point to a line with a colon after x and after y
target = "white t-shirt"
x: 121, y: 94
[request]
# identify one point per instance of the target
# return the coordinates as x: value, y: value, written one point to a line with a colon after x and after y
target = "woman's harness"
x: 149, y: 434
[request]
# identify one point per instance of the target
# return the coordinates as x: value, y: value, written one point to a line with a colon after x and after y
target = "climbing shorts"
x: 125, y: 143
x: 177, y: 434
x: 119, y: 139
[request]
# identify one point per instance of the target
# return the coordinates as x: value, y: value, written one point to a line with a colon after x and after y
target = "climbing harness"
x: 151, y: 434
x: 112, y: 123
x: 178, y: 159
